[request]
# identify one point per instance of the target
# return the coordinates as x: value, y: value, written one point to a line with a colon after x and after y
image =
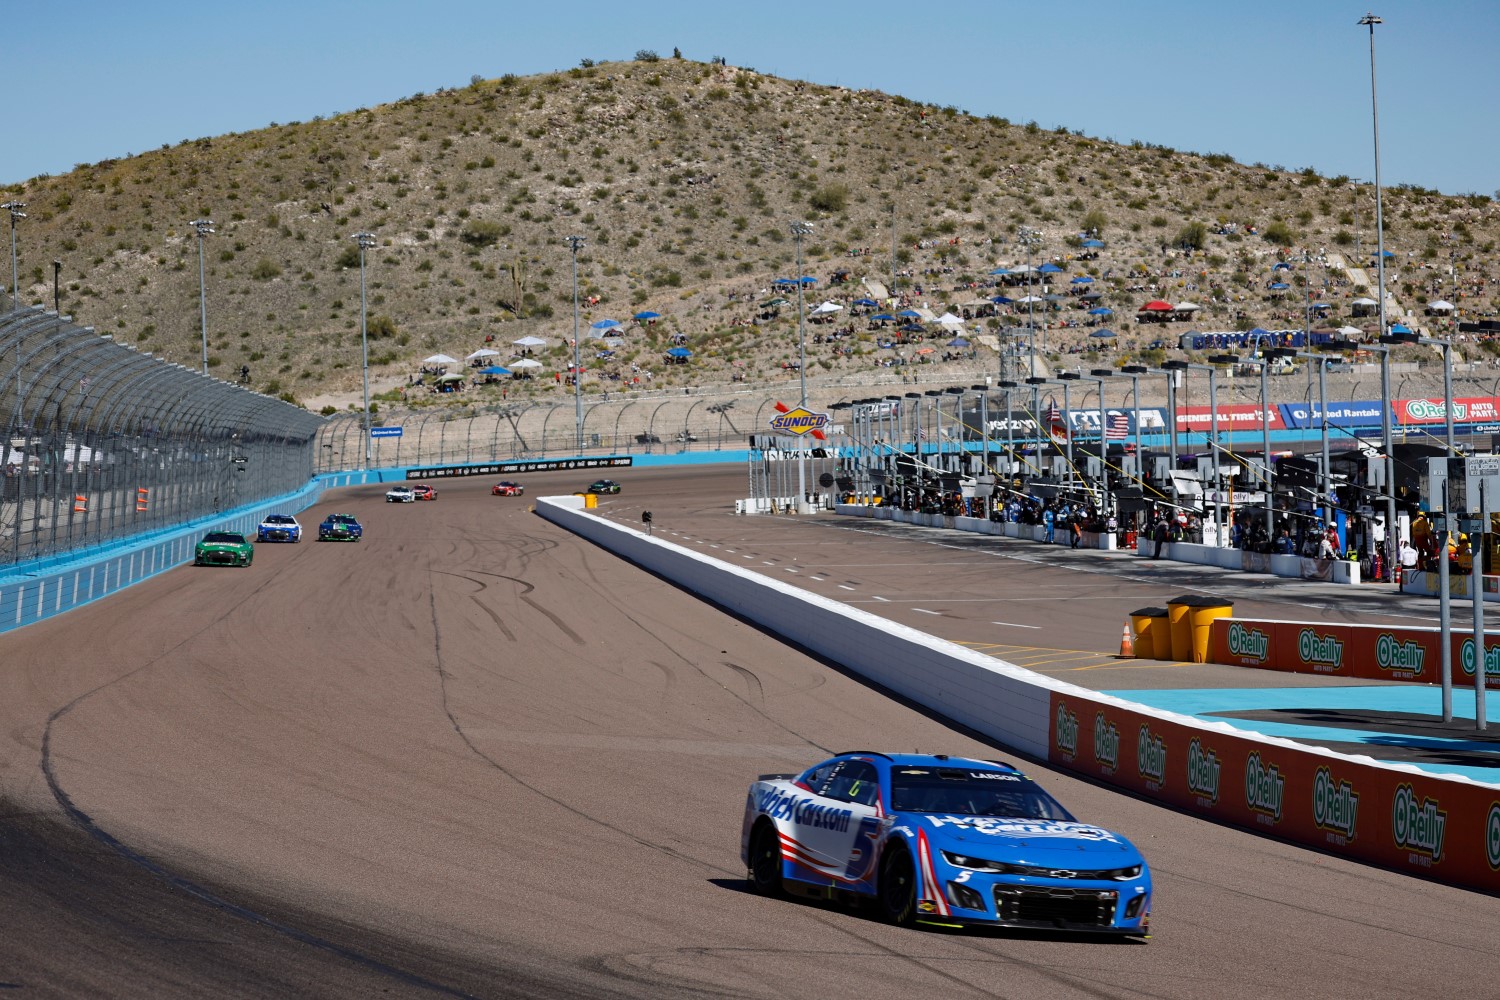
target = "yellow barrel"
x: 1148, y: 626
x: 1180, y: 628
x: 590, y: 501
x: 1203, y: 613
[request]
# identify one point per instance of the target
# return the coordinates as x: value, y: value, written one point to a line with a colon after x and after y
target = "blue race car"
x: 941, y: 840
x: 340, y: 528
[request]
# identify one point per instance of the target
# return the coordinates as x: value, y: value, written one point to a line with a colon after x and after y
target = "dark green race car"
x: 340, y: 528
x: 604, y: 486
x: 223, y: 548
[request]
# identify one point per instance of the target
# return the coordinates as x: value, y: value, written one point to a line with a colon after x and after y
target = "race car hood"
x: 220, y: 546
x: 1030, y: 841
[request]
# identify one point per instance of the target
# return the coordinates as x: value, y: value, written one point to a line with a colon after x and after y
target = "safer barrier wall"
x: 1446, y: 828
x: 44, y: 588
x: 1368, y: 652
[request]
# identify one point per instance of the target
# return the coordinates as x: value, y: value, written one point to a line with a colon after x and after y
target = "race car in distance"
x: 279, y: 528
x: 506, y: 488
x: 424, y: 492
x: 941, y: 840
x: 340, y: 528
x: 400, y: 494
x: 223, y: 548
x: 604, y: 486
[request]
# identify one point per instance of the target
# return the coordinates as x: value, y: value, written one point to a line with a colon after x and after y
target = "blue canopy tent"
x: 911, y: 328
x: 1049, y: 268
x: 1101, y: 311
x: 911, y: 313
x: 958, y: 342
x: 1082, y: 279
x: 1281, y: 265
x: 808, y: 280
x: 1400, y: 328
x: 1000, y: 270
x: 1279, y: 286
x: 1093, y: 244
x: 784, y: 281
x: 1002, y: 300
x: 646, y: 315
x: 866, y: 302
x: 494, y: 370
x: 1387, y: 254
x: 679, y: 352
x: 604, y: 324
x: 884, y: 318
x: 1102, y: 333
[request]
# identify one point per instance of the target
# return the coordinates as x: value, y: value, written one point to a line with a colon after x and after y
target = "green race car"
x: 223, y: 548
x: 606, y: 486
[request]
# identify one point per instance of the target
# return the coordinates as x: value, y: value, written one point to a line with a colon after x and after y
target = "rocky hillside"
x: 682, y: 178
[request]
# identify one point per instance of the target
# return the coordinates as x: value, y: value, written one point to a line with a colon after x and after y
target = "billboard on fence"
x: 1356, y: 413
x: 520, y: 465
x: 1441, y: 829
x: 1466, y: 410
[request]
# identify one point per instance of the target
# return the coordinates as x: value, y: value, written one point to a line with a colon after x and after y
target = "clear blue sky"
x: 1285, y: 83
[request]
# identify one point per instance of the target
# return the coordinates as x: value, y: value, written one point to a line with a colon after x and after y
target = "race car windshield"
x: 278, y: 519
x: 964, y: 792
x: 223, y: 537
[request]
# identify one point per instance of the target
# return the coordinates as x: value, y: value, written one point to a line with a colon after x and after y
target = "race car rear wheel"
x: 765, y: 859
x: 898, y: 886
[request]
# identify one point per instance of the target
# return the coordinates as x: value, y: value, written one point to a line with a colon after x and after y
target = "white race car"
x: 400, y: 494
x: 279, y: 528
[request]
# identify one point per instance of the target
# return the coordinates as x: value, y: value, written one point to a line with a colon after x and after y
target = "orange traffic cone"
x: 1127, y: 644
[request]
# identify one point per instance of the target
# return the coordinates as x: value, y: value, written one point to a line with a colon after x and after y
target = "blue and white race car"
x: 941, y: 840
x: 279, y: 528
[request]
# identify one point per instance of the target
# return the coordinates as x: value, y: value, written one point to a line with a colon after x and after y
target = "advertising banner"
x: 1239, y: 417
x: 1466, y: 410
x: 1444, y: 830
x: 1368, y: 652
x: 1358, y: 413
x: 502, y: 468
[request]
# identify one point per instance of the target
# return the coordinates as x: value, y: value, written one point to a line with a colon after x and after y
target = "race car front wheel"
x: 765, y: 859
x: 898, y: 886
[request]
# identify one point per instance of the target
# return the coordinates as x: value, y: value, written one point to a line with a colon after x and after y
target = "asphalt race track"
x: 475, y: 756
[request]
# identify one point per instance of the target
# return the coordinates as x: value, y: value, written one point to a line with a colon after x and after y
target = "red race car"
x: 507, y: 489
x: 424, y: 492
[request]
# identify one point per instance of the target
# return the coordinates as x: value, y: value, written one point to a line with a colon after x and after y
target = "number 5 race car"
x: 941, y: 840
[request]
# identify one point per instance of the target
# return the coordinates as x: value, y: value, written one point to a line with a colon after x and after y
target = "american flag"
x: 1056, y: 426
x: 1118, y: 427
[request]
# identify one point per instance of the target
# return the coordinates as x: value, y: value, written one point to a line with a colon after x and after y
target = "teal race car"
x: 340, y: 528
x: 223, y: 548
x: 604, y: 486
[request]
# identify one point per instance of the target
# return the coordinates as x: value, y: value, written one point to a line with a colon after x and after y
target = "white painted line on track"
x: 887, y: 600
x: 1015, y: 625
x: 767, y: 562
x: 845, y: 586
x: 790, y: 569
x: 926, y: 612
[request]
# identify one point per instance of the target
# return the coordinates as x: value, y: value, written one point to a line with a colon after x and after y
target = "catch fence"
x: 102, y: 441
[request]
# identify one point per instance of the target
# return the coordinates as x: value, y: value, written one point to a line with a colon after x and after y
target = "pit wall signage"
x: 1445, y: 830
x: 1367, y: 652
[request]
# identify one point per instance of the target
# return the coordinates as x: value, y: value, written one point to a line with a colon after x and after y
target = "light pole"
x: 1264, y: 365
x: 1213, y: 428
x: 204, y: 227
x: 1447, y: 346
x: 1010, y: 432
x: 1036, y: 382
x: 1031, y: 239
x: 1134, y: 372
x: 575, y: 243
x: 1370, y: 20
x: 799, y: 230
x: 1322, y: 360
x: 16, y: 215
x: 365, y: 241
x: 1100, y: 376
